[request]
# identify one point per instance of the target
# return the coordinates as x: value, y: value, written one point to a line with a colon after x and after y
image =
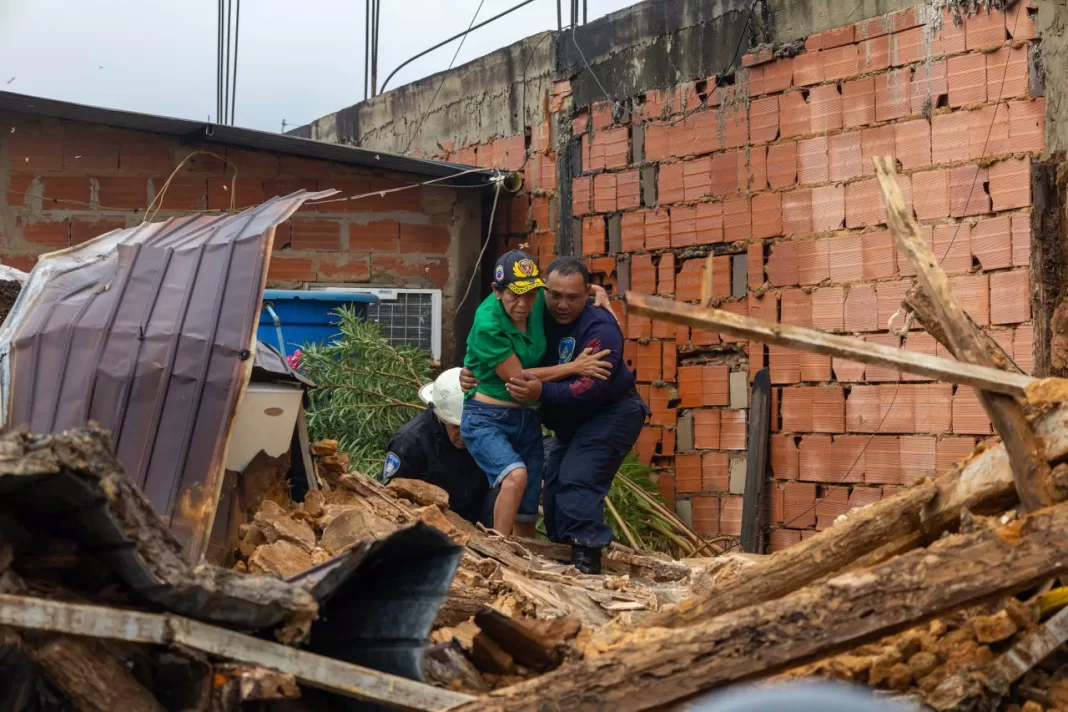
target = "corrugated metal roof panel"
x: 149, y: 332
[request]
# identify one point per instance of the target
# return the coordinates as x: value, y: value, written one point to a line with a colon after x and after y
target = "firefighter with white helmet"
x: 430, y: 448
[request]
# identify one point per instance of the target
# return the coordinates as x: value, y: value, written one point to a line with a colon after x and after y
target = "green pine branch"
x: 365, y: 390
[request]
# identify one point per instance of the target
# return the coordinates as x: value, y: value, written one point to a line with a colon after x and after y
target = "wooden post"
x: 898, y: 523
x: 756, y: 463
x: 1029, y: 465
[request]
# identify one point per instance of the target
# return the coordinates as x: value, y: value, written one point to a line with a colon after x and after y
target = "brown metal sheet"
x: 150, y: 333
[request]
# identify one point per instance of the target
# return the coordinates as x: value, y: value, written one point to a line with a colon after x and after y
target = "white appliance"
x: 265, y: 421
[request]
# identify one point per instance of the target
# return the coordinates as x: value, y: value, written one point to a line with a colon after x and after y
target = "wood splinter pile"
x: 515, y: 611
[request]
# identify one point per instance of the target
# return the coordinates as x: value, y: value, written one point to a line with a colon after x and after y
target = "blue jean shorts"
x: 503, y: 439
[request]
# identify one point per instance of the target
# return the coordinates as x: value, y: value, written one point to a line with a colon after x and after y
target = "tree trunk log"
x: 662, y: 667
x: 87, y: 673
x: 924, y: 510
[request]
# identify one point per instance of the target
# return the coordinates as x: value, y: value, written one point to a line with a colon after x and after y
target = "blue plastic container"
x: 291, y: 318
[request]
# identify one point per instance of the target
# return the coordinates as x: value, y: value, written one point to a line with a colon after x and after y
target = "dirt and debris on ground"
x: 922, y: 662
x: 517, y: 607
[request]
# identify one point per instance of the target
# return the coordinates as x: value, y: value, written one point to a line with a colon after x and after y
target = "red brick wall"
x: 773, y: 177
x: 66, y: 182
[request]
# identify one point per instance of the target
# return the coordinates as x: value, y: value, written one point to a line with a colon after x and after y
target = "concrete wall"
x: 496, y: 95
x: 62, y: 183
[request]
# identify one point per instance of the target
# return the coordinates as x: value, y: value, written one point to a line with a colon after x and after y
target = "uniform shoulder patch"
x: 567, y: 349
x: 392, y: 465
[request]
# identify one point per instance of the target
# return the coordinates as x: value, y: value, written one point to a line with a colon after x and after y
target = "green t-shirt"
x: 494, y: 338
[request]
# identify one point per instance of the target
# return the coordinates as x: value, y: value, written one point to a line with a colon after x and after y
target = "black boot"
x: 586, y: 559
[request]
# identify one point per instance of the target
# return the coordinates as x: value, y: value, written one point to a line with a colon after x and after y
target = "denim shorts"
x: 503, y: 439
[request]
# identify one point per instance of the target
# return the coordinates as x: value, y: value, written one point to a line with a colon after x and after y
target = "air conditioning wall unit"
x: 407, y: 316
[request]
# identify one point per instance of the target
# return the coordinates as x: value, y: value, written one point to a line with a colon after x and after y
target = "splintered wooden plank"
x: 917, y: 301
x: 848, y: 347
x: 1029, y: 466
x: 326, y: 673
x: 659, y: 668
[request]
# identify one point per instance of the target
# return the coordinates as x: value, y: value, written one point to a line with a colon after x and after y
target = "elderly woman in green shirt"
x: 503, y: 435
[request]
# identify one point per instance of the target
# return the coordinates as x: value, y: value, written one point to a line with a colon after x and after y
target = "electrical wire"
x: 485, y: 244
x: 372, y: 194
x: 149, y: 213
x: 444, y: 76
x: 989, y: 132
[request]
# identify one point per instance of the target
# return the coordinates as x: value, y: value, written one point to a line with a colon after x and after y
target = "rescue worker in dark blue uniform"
x: 431, y: 448
x: 596, y: 421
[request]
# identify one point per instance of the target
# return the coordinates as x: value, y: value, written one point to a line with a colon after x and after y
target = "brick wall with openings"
x: 770, y: 176
x: 526, y: 219
x: 64, y: 182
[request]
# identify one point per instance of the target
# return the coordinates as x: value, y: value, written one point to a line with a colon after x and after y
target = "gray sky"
x: 297, y: 60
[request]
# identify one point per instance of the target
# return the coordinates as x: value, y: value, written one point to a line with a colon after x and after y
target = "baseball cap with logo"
x: 518, y: 271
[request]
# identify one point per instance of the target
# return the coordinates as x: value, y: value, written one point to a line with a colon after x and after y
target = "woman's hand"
x: 591, y: 364
x: 526, y: 388
x: 468, y: 382
x: 600, y: 300
x: 600, y: 296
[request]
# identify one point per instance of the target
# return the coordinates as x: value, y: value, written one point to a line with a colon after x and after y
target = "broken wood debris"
x: 853, y: 608
x: 37, y: 614
x: 812, y: 340
x: 1029, y: 466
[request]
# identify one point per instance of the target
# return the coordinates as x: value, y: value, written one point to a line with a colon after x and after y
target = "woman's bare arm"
x: 586, y: 364
x: 509, y: 368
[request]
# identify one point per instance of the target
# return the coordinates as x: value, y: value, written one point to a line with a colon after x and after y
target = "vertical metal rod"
x: 237, y: 41
x: 585, y: 8
x: 219, y: 63
x: 226, y: 89
x: 366, y: 49
x: 374, y: 46
x: 559, y: 15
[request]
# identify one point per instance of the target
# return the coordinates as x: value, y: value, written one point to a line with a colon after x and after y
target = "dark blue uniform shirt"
x: 566, y: 404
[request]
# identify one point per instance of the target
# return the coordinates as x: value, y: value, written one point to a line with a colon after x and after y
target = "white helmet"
x: 446, y: 395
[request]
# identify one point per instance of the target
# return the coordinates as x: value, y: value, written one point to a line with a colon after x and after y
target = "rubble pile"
x: 930, y: 663
x: 545, y: 604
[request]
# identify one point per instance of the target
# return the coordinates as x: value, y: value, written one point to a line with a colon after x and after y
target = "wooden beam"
x: 326, y: 673
x: 756, y: 463
x: 819, y: 342
x: 1029, y: 465
x: 897, y: 523
x: 917, y: 301
x: 84, y: 670
x: 659, y: 668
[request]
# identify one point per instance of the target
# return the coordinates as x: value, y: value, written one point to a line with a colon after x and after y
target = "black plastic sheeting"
x: 377, y: 604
